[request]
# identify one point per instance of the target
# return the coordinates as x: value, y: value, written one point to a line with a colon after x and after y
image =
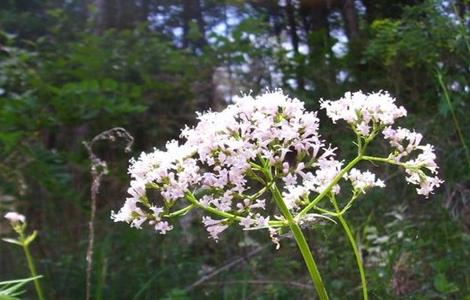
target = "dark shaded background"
x: 70, y: 69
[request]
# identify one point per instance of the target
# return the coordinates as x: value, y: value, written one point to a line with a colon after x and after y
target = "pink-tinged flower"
x: 427, y: 184
x: 214, y: 227
x: 137, y: 222
x: 363, y: 181
x: 15, y: 217
x: 163, y: 227
x: 404, y: 140
x: 247, y: 222
x: 327, y: 170
x: 260, y: 203
x: 293, y: 195
x: 290, y: 179
x: 418, y: 170
x: 157, y: 211
x: 363, y: 110
x: 254, y: 221
x: 125, y: 214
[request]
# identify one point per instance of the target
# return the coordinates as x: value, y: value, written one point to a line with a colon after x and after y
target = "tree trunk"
x: 98, y: 16
x: 462, y: 7
x: 371, y: 10
x: 349, y: 13
x: 314, y: 14
x: 192, y: 12
x: 144, y: 10
x: 203, y: 88
x: 295, y: 42
x: 321, y: 58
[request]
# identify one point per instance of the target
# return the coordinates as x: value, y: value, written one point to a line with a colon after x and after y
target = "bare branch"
x: 99, y: 168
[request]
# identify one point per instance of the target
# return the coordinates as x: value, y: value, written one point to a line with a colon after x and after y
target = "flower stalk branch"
x: 18, y: 223
x: 353, y: 243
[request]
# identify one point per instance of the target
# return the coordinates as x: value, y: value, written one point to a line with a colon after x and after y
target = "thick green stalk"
x: 357, y: 253
x: 301, y: 243
x: 32, y: 267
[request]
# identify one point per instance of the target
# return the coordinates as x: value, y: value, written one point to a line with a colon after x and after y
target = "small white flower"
x: 137, y: 222
x: 214, y: 227
x: 163, y: 227
x: 290, y: 179
x: 247, y: 222
x: 15, y: 217
x: 363, y: 181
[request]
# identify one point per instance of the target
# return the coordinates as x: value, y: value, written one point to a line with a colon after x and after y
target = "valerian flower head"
x: 229, y: 163
x: 422, y: 170
x: 214, y: 227
x: 364, y: 111
x: 369, y: 114
x: 217, y: 157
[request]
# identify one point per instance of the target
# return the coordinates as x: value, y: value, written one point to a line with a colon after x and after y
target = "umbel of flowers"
x: 262, y: 164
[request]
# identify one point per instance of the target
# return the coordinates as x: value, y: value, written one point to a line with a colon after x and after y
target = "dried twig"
x: 234, y: 262
x: 264, y: 281
x: 226, y: 267
x: 98, y: 169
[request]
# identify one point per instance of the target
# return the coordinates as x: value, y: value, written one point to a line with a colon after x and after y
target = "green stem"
x: 383, y: 160
x: 180, y: 212
x: 454, y: 117
x: 338, y: 177
x: 357, y: 253
x: 359, y: 143
x: 325, y: 211
x: 32, y: 268
x: 301, y: 243
x: 191, y: 198
x: 309, y: 260
x: 349, y: 204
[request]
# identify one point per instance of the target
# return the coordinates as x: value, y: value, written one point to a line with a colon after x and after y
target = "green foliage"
x: 11, y: 289
x: 408, y: 51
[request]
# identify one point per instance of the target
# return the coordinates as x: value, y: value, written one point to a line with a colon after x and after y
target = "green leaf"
x: 9, y: 290
x: 12, y: 241
x: 24, y: 280
x: 443, y: 285
x: 7, y: 297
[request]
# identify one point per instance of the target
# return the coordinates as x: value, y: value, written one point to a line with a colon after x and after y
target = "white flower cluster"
x: 371, y: 113
x: 217, y: 158
x: 364, y: 111
x: 362, y: 181
x: 228, y: 162
x: 420, y: 171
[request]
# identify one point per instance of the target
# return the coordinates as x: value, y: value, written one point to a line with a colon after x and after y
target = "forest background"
x: 70, y: 69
